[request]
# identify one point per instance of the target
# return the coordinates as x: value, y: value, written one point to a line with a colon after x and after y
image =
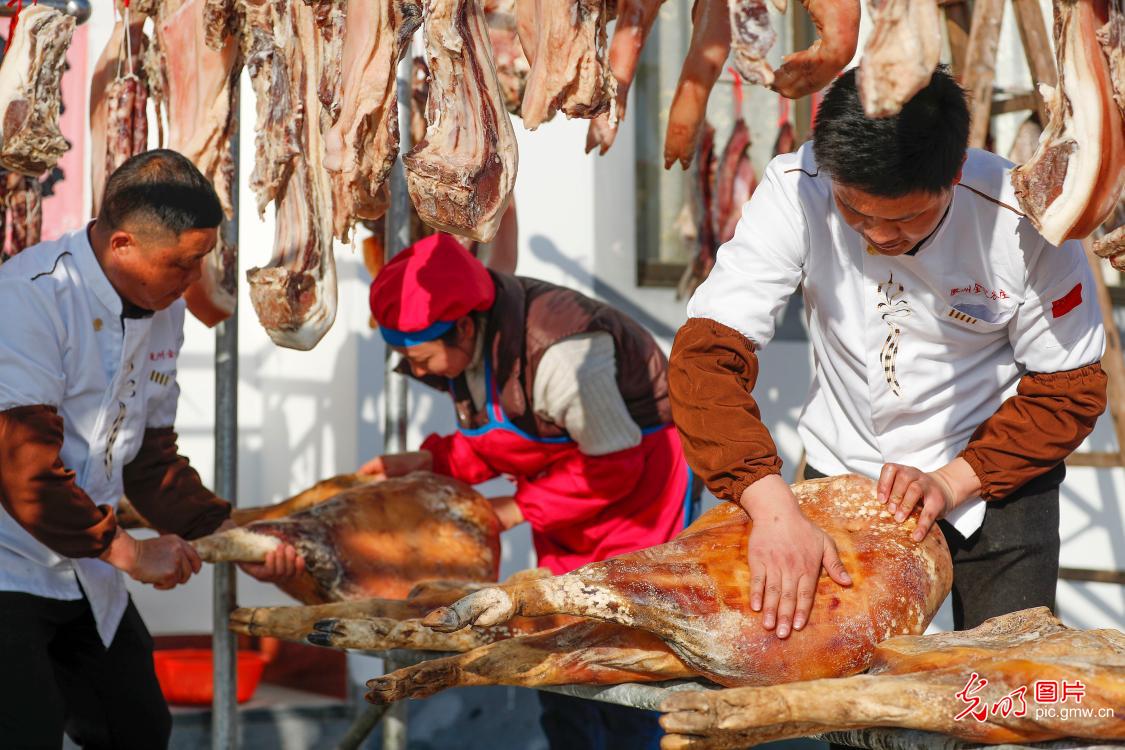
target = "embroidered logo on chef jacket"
x: 894, y: 307
x: 160, y: 378
x: 115, y: 428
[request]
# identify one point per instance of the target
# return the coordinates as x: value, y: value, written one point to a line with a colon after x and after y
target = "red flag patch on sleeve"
x: 1067, y: 302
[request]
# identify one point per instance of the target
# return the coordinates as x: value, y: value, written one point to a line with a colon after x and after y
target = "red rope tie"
x: 737, y: 92
x: 12, y: 24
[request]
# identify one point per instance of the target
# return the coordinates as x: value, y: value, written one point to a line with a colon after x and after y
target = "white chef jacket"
x: 911, y: 352
x: 64, y: 343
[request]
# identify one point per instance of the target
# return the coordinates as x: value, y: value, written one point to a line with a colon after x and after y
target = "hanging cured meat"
x: 697, y: 219
x: 31, y: 93
x: 1074, y: 180
x: 460, y: 176
x: 294, y: 295
x: 199, y: 59
x: 361, y: 102
x: 511, y: 65
x: 976, y: 685
x: 693, y: 592
x: 1112, y: 38
x: 900, y: 55
x: 710, y: 44
x: 21, y: 212
x: 200, y: 102
x: 567, y: 56
x: 118, y: 102
x: 735, y: 179
x: 807, y: 71
x: 752, y: 37
x: 634, y: 22
x: 375, y: 540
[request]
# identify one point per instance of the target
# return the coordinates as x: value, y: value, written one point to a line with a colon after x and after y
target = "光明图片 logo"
x: 1052, y: 698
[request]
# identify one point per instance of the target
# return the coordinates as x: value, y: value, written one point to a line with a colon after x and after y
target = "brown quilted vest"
x: 527, y: 318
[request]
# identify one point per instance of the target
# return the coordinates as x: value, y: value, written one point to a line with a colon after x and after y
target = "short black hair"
x: 918, y: 150
x: 159, y: 190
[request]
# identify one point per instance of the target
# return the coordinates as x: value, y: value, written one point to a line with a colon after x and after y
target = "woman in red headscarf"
x: 565, y: 396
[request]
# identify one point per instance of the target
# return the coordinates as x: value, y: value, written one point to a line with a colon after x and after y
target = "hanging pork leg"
x: 975, y: 685
x: 362, y: 142
x: 460, y: 176
x: 698, y: 227
x: 201, y: 103
x: 710, y: 44
x: 734, y: 183
x: 693, y: 592
x: 808, y: 71
x: 1074, y: 180
x: 376, y: 540
x: 900, y: 55
x: 118, y: 95
x: 589, y: 653
x: 751, y: 37
x: 295, y: 294
x: 512, y: 66
x: 634, y: 22
x: 31, y: 93
x: 572, y: 76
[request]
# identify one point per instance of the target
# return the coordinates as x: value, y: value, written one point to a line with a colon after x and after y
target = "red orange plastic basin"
x: 186, y: 676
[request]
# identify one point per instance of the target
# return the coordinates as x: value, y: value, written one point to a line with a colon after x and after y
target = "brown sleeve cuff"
x: 168, y: 492
x: 711, y: 374
x: 1033, y: 431
x: 40, y: 493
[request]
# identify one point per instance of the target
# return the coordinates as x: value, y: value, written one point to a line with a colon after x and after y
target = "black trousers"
x: 56, y: 675
x: 578, y: 724
x: 1012, y: 561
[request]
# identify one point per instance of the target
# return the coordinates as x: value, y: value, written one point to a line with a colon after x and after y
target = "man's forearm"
x: 711, y: 373
x: 1033, y: 431
x: 40, y: 493
x: 168, y: 492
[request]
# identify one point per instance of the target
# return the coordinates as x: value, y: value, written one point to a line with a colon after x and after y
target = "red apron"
x: 581, y: 508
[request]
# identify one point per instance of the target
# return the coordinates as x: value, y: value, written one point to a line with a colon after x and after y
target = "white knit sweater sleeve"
x: 576, y: 388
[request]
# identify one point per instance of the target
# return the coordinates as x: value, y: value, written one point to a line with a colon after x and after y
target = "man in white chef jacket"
x: 956, y: 353
x: 92, y: 325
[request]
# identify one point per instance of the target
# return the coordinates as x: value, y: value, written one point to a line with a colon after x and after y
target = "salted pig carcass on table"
x: 975, y: 685
x: 683, y: 608
x: 375, y: 540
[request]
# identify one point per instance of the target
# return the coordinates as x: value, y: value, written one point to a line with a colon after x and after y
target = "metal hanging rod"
x: 80, y: 9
